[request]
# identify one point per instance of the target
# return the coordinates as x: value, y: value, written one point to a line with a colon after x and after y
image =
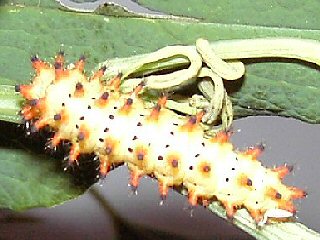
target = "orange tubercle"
x: 192, y: 122
x: 163, y: 190
x: 127, y: 106
x: 79, y: 91
x: 74, y: 153
x: 104, y: 166
x: 297, y: 193
x: 115, y: 82
x: 205, y: 169
x: 221, y: 137
x: 282, y: 171
x: 138, y: 89
x: 230, y: 209
x: 80, y: 64
x: 28, y: 112
x: 288, y: 206
x: 38, y: 65
x: 40, y: 123
x: 97, y: 75
x: 61, y: 74
x: 103, y: 99
x: 192, y: 198
x: 154, y: 115
x: 254, y: 152
x: 134, y: 179
x: 56, y: 139
x: 244, y: 181
x: 26, y: 91
x: 256, y: 214
x: 59, y: 60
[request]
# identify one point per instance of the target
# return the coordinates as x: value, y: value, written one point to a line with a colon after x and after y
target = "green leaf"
x: 10, y: 104
x: 292, y: 92
x: 274, y: 13
x: 31, y: 3
x: 31, y: 180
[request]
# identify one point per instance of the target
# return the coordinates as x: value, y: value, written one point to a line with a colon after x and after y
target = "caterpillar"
x: 95, y: 117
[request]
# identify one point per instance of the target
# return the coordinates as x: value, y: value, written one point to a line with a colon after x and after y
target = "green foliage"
x: 273, y: 13
x: 31, y: 180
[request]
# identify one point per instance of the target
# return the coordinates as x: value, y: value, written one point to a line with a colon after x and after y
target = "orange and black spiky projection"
x: 98, y: 118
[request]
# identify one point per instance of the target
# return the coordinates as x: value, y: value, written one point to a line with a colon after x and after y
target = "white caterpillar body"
x: 98, y: 118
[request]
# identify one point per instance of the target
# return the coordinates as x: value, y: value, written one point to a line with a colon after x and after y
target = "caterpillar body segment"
x: 98, y: 118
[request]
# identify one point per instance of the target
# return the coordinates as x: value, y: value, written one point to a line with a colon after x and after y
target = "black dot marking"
x: 115, y: 107
x: 172, y: 133
x: 160, y: 157
x: 175, y: 124
x: 17, y: 88
x: 167, y: 145
x: 197, y: 155
x: 81, y: 118
x: 175, y: 163
x: 108, y: 150
x: 229, y: 194
x: 105, y: 96
x: 237, y: 159
x: 157, y: 107
x: 111, y: 116
x: 69, y: 95
x: 227, y: 179
x: 79, y: 86
x: 81, y: 136
x: 193, y: 120
x: 141, y: 115
x: 190, y: 168
x: 140, y: 156
x: 93, y: 98
x: 139, y: 124
x: 89, y: 107
x: 249, y: 182
x: 233, y: 169
x: 129, y: 101
x: 134, y: 138
x: 256, y: 202
x: 206, y: 168
x: 33, y: 102
x: 106, y: 129
x: 130, y: 150
x: 278, y: 195
x: 101, y: 139
x: 57, y: 65
x: 203, y: 144
x: 34, y: 58
x: 77, y: 126
x: 62, y: 104
x: 290, y: 168
x: 57, y: 117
